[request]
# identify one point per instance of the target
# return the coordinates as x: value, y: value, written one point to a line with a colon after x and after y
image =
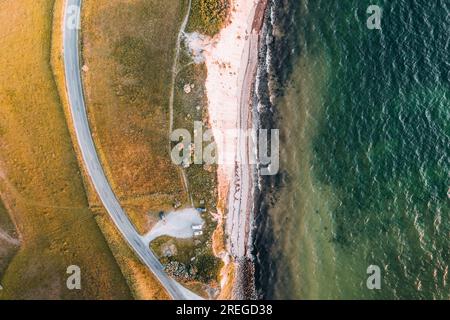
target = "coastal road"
x: 92, y: 163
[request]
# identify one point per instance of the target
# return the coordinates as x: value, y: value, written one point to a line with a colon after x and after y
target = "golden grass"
x: 40, y: 182
x: 140, y: 280
x: 128, y: 52
x: 128, y: 48
x: 127, y: 89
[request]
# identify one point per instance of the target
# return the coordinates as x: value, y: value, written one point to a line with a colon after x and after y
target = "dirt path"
x: 172, y: 95
x: 175, y: 64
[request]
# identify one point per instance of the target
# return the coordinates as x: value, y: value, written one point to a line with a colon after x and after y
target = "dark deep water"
x: 365, y: 156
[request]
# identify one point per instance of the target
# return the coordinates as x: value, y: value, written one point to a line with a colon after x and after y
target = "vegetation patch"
x: 188, y: 260
x: 191, y: 106
x: 208, y: 16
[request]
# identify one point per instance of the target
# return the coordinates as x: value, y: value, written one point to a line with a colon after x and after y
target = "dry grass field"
x: 140, y: 280
x: 128, y: 53
x: 128, y: 49
x: 40, y: 181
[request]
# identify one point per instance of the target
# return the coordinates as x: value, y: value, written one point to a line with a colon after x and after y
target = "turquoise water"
x: 365, y: 127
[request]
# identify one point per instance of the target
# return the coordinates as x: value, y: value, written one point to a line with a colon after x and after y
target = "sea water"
x: 364, y: 118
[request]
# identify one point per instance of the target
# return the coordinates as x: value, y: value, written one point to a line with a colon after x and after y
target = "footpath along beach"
x: 232, y: 60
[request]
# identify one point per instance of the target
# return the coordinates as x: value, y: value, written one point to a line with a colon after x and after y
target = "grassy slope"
x: 127, y: 90
x: 127, y: 85
x: 40, y: 181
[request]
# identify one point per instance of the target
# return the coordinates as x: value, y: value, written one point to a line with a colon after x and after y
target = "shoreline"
x: 230, y: 82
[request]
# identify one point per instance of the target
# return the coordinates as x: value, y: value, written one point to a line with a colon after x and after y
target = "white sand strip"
x: 231, y: 62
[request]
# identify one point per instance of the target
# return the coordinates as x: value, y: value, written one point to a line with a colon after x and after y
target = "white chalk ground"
x: 177, y: 224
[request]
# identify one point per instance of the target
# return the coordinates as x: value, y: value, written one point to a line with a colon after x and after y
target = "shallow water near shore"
x: 365, y: 156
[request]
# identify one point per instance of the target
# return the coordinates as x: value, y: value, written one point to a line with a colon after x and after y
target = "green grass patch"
x: 188, y: 108
x: 197, y: 259
x: 208, y: 16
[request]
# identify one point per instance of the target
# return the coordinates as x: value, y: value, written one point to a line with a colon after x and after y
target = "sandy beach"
x: 231, y: 59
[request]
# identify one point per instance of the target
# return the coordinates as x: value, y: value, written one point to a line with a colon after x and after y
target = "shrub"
x: 208, y: 16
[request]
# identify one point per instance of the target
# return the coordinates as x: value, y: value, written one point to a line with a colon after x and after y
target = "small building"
x: 198, y: 233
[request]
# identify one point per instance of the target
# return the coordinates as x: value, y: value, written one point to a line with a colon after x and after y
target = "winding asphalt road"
x: 91, y: 160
